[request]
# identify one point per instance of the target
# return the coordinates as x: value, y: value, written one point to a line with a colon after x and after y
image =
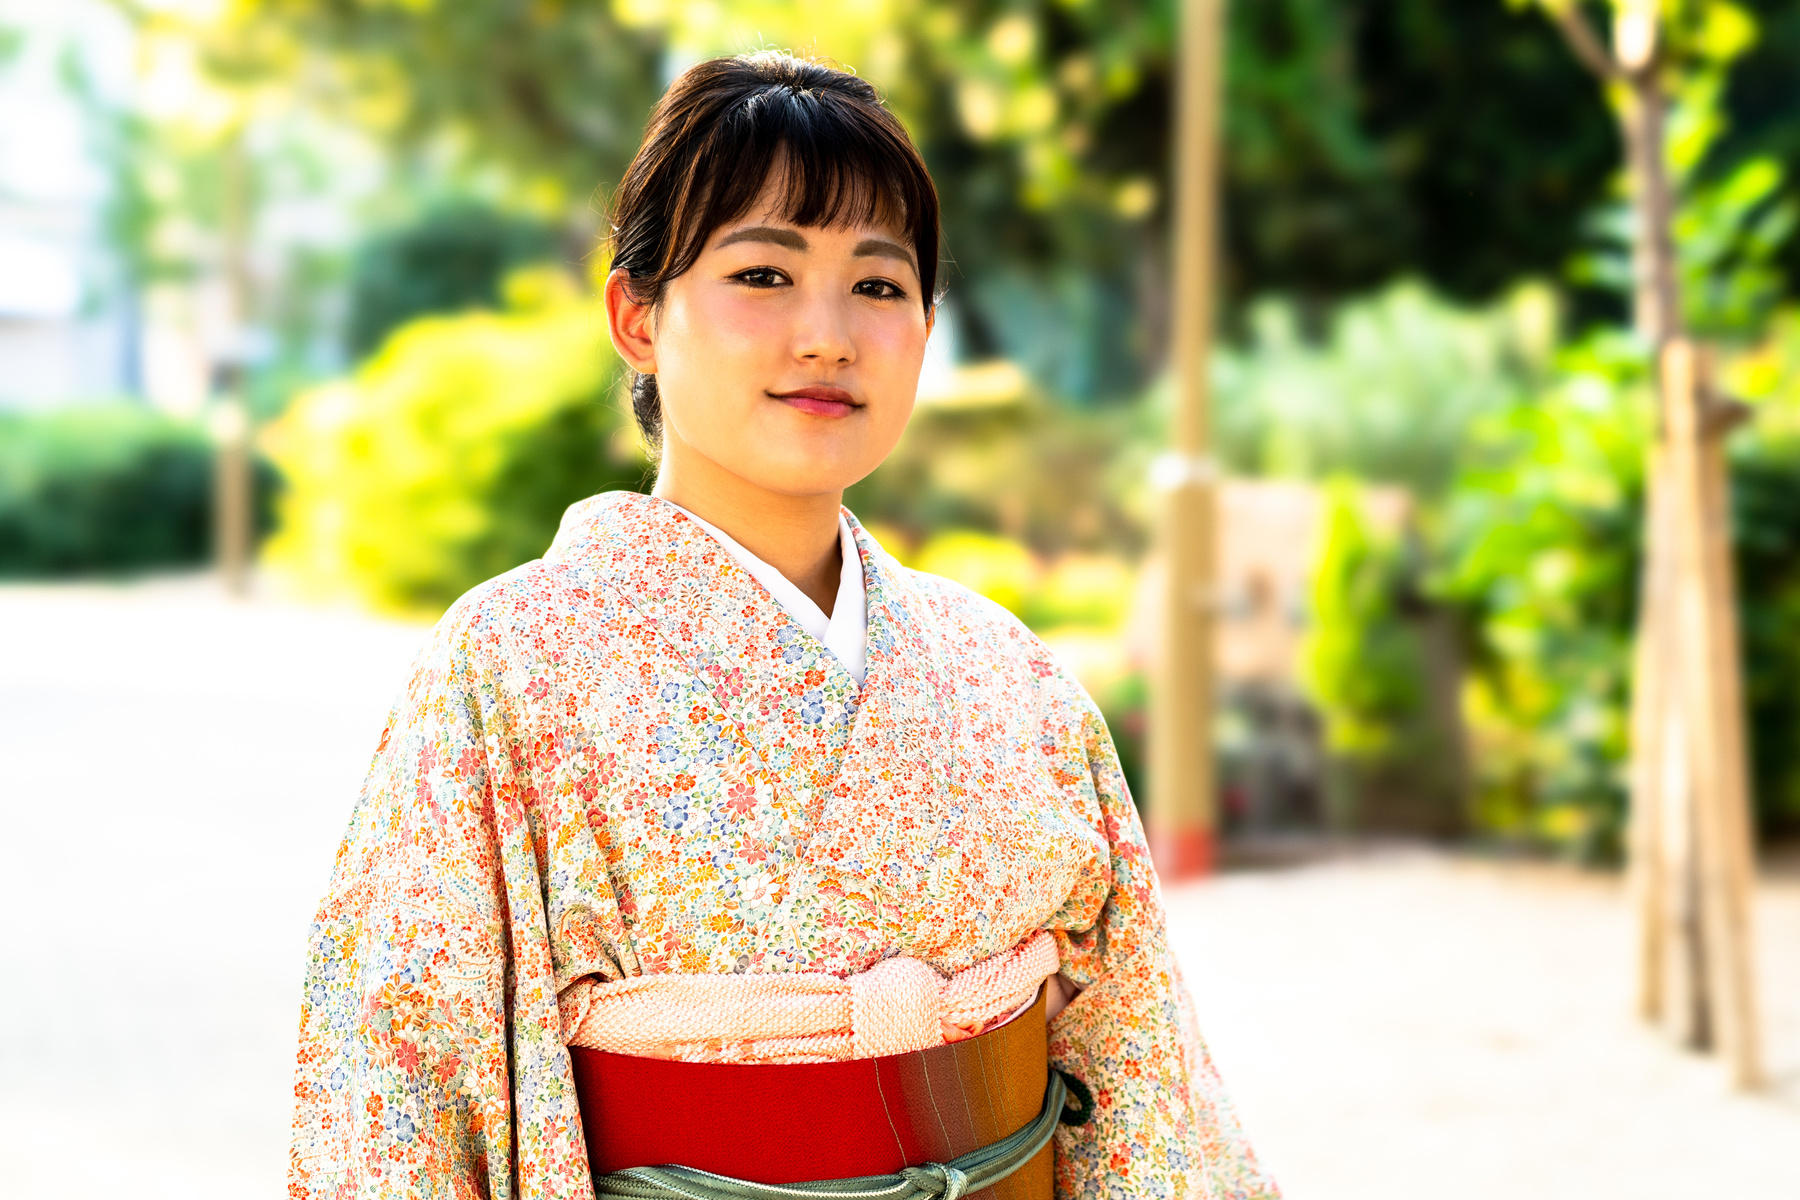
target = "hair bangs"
x: 836, y: 160
x: 839, y: 177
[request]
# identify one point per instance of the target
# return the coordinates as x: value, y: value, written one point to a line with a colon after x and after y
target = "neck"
x: 797, y: 535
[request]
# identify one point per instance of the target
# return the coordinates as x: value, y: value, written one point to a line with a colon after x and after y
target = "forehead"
x: 838, y: 201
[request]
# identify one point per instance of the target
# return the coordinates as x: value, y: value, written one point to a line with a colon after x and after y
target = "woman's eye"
x: 879, y: 289
x: 761, y: 277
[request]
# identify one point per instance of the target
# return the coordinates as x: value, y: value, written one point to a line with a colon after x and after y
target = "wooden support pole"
x: 1648, y: 831
x: 1182, y: 810
x: 1703, y: 624
x: 232, y: 532
x: 1664, y: 881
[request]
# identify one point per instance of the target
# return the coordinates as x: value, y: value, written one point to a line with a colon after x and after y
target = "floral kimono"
x: 625, y: 759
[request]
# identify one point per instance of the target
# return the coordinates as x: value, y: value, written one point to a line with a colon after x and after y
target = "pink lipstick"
x: 820, y: 401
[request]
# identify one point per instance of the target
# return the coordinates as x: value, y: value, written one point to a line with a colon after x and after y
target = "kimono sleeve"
x: 1161, y: 1123
x: 430, y: 1062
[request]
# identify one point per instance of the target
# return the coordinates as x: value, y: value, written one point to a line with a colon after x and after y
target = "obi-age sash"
x: 895, y: 1082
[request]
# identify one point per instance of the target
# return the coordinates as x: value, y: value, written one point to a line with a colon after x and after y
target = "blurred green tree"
x: 1388, y: 391
x: 451, y: 259
x: 1358, y: 661
x: 556, y: 91
x: 1448, y: 139
x: 1381, y: 663
x: 1539, y: 549
x: 452, y: 452
x: 1761, y: 116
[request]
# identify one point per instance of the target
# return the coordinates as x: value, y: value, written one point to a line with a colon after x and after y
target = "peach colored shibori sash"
x: 897, y: 1006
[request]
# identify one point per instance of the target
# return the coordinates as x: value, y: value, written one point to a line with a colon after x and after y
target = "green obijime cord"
x: 933, y: 1181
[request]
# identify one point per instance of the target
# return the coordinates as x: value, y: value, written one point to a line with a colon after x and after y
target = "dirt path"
x: 175, y: 771
x: 1405, y: 1026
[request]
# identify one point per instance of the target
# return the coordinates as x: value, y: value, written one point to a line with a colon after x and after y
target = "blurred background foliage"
x: 451, y: 258
x: 1426, y: 288
x: 105, y: 489
x: 451, y: 453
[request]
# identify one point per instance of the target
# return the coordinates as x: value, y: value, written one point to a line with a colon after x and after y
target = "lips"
x: 819, y: 401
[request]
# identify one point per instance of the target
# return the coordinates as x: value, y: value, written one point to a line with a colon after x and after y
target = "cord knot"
x: 937, y: 1179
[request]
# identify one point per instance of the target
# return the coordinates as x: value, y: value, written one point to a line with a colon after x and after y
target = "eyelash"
x: 767, y: 274
x: 894, y: 290
x: 746, y: 276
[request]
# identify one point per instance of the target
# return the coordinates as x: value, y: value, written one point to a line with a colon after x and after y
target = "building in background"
x: 68, y: 326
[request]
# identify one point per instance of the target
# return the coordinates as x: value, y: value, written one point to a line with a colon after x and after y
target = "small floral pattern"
x: 626, y: 758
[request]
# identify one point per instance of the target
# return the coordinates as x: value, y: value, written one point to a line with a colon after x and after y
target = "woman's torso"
x: 748, y: 807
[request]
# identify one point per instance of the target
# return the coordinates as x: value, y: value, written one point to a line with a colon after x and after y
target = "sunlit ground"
x: 175, y: 770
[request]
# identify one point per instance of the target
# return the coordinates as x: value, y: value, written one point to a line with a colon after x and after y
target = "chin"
x: 817, y: 463
x: 799, y: 472
x: 808, y: 479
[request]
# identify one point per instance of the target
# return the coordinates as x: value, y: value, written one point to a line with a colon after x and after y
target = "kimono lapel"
x: 943, y: 791
x: 886, y: 828
x: 789, y: 697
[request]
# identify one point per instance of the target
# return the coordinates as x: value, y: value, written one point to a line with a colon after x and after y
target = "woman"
x: 717, y: 788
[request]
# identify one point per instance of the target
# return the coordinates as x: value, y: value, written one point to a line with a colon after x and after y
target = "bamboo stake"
x: 1712, y: 693
x: 1688, y: 1012
x: 1181, y: 806
x: 1671, y: 952
x: 1648, y: 835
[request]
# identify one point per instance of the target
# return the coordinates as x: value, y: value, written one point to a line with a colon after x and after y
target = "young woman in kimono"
x: 716, y: 841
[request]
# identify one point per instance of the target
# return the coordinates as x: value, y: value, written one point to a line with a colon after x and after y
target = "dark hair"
x: 713, y: 141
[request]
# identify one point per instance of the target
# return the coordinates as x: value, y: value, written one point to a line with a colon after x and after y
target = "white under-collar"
x: 846, y: 631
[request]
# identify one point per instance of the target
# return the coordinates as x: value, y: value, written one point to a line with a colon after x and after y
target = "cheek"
x: 898, y: 344
x: 711, y: 326
x: 891, y: 354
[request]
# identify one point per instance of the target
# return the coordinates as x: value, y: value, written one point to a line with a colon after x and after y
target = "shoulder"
x: 972, y: 623
x: 536, y: 620
x: 953, y: 605
x: 523, y: 604
x: 536, y: 599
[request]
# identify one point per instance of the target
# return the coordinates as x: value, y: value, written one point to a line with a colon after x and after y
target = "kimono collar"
x: 774, y: 680
x: 846, y: 631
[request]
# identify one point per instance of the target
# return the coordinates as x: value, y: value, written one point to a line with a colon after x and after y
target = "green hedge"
x: 103, y: 488
x: 451, y: 453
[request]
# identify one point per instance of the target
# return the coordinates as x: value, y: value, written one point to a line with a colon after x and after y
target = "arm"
x: 430, y: 1061
x: 1162, y: 1125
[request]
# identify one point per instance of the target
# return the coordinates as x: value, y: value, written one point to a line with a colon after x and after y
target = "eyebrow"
x: 765, y: 233
x: 882, y: 248
x: 775, y: 235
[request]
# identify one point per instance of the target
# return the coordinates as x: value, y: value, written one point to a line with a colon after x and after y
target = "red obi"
x: 795, y: 1122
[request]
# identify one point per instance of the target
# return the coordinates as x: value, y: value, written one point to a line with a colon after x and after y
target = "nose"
x: 822, y: 331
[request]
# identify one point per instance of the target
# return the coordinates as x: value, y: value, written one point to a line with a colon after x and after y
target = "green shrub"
x: 102, y: 488
x: 1381, y: 660
x: 1387, y: 393
x: 452, y: 259
x: 1541, y: 546
x: 999, y: 568
x: 451, y: 454
x: 1359, y: 661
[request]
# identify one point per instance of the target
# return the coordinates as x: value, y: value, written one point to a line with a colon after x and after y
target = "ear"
x: 629, y: 325
x: 930, y: 319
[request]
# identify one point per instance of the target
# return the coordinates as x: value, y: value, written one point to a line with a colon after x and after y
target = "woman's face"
x: 787, y: 356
